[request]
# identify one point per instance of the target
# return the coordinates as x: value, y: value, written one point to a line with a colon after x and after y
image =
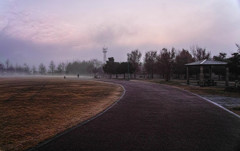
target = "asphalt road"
x: 156, y: 118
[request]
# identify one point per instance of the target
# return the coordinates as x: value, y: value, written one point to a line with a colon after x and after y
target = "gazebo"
x: 210, y: 64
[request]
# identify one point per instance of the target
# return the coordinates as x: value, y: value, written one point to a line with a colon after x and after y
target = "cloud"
x: 81, y: 28
x: 39, y: 30
x: 175, y: 22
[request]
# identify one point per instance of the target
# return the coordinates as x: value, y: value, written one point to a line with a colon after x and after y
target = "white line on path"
x: 217, y: 105
x: 234, y: 114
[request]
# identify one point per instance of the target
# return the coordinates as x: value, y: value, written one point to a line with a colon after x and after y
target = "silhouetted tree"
x: 7, y: 64
x: 42, y: 69
x: 1, y: 68
x: 219, y: 70
x: 80, y: 67
x: 34, y: 70
x: 19, y: 69
x: 52, y: 67
x: 238, y: 46
x: 61, y: 68
x: 182, y: 58
x: 200, y: 53
x: 117, y: 69
x: 166, y: 61
x: 234, y: 64
x: 26, y: 68
x: 150, y: 62
x: 124, y: 67
x: 109, y: 67
x: 220, y: 57
x: 11, y: 69
x: 97, y: 66
x: 134, y: 58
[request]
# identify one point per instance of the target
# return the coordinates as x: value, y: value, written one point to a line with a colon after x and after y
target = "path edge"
x: 216, y: 104
x: 205, y: 99
x: 208, y: 100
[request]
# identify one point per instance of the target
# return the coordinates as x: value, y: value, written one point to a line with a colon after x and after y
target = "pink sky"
x: 60, y: 30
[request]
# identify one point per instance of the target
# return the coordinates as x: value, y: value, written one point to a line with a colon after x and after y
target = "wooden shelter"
x: 210, y: 64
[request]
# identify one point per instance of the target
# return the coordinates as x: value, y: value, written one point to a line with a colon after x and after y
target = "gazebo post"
x: 201, y: 78
x: 227, y: 77
x: 210, y: 73
x: 187, y: 76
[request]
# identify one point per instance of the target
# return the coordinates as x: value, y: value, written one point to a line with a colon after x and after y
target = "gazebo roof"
x: 207, y: 63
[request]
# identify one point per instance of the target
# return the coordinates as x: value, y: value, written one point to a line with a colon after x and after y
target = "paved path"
x: 156, y: 118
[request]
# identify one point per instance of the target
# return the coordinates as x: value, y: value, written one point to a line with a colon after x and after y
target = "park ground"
x: 153, y: 116
x: 35, y: 109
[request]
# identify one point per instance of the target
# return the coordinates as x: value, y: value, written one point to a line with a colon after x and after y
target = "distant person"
x: 64, y: 77
x: 78, y: 75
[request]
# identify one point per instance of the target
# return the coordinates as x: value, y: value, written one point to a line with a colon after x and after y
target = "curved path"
x: 156, y: 118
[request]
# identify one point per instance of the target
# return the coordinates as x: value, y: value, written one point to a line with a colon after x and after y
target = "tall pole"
x: 104, y: 54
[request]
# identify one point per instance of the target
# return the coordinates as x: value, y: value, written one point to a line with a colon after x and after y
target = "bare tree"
x: 238, y: 46
x: 234, y: 65
x: 26, y: 68
x: 219, y: 70
x: 7, y: 63
x: 166, y: 61
x: 150, y: 62
x: 220, y: 57
x: 34, y: 70
x: 11, y: 69
x: 182, y: 58
x: 96, y: 63
x: 1, y: 67
x: 52, y: 67
x: 200, y: 53
x: 42, y: 69
x: 134, y: 58
x: 110, y: 67
x: 97, y: 67
x: 61, y: 68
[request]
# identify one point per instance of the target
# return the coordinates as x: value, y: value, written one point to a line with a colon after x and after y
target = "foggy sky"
x: 39, y: 31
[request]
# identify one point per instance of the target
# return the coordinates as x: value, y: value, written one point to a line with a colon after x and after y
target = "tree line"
x: 167, y: 63
x: 76, y: 67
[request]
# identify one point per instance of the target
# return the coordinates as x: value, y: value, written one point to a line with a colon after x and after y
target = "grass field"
x: 35, y: 109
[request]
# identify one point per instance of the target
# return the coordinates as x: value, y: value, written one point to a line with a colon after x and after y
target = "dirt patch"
x: 32, y: 110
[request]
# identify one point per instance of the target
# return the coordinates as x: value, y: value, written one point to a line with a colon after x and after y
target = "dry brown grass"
x: 32, y: 110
